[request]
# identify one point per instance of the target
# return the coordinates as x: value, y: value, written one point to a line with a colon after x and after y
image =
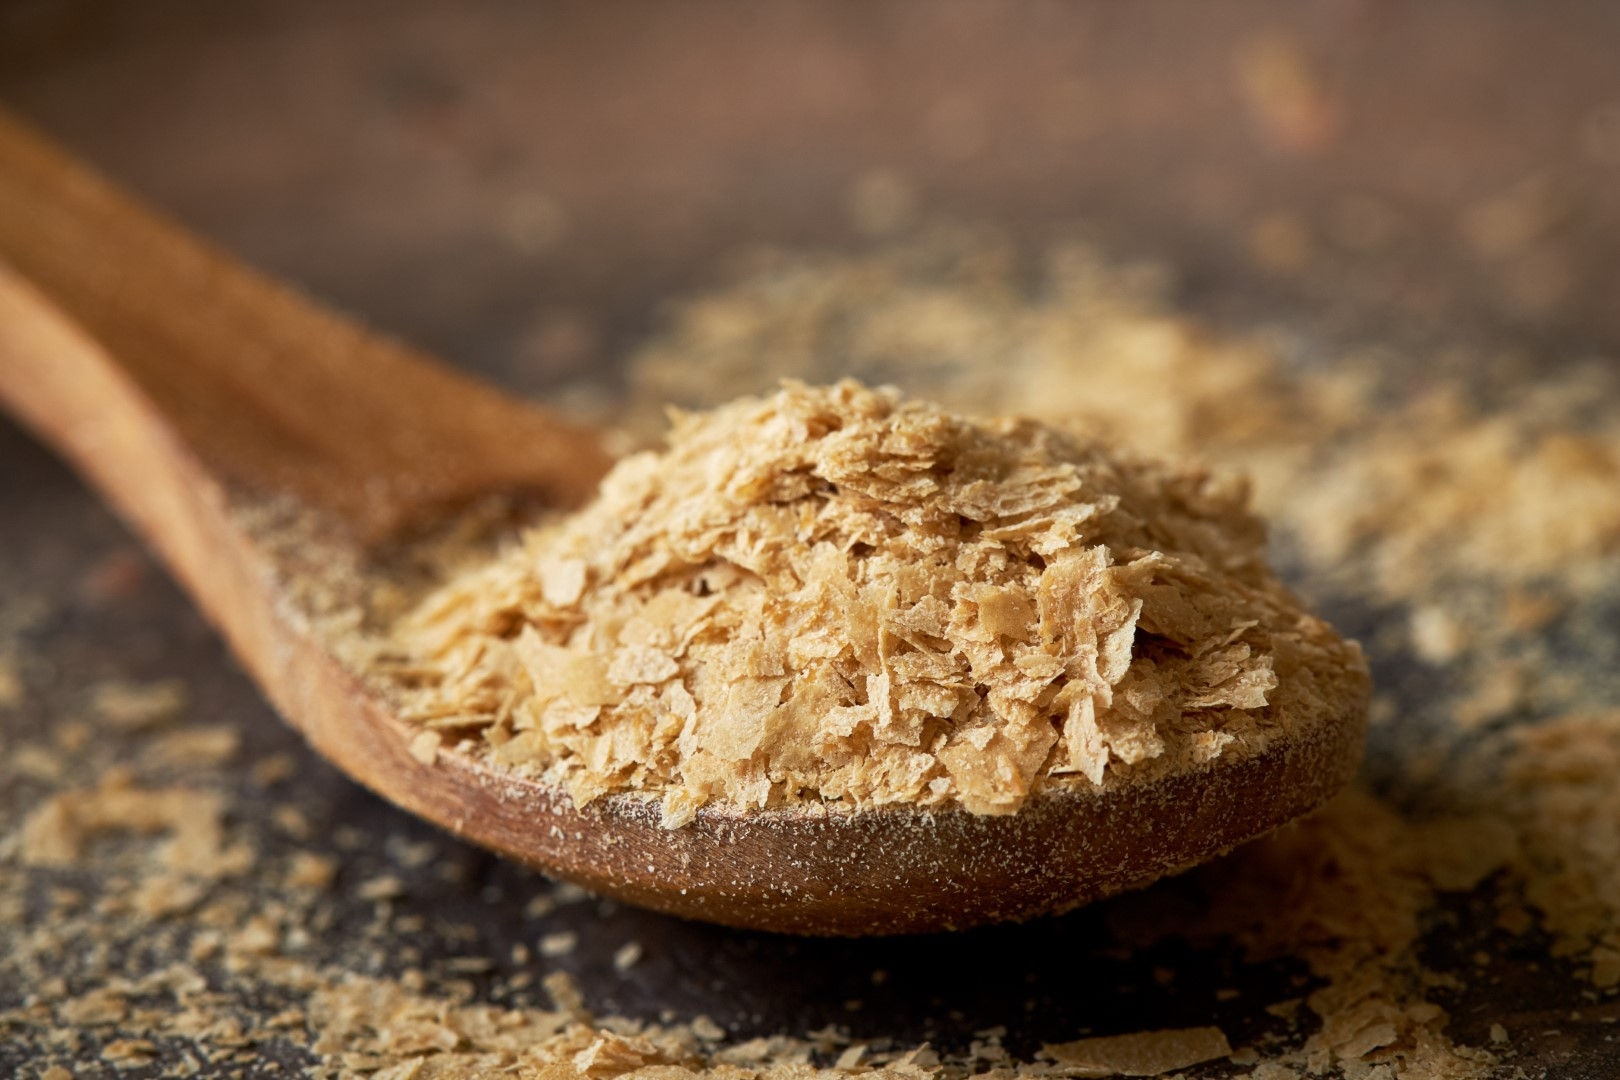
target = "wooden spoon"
x: 185, y: 387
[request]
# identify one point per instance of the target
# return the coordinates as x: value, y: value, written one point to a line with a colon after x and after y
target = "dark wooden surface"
x: 518, y: 189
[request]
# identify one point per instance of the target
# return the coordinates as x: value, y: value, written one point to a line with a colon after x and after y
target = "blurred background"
x: 520, y: 187
x: 1367, y: 251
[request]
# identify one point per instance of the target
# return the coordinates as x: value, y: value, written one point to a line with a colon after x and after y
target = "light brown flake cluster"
x: 1563, y: 793
x: 830, y: 594
x: 1367, y: 474
x: 1440, y: 489
x: 1346, y: 891
x: 1075, y: 337
x: 56, y: 833
x: 1142, y: 1053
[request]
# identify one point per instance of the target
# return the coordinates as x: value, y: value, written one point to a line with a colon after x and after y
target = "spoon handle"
x: 265, y: 390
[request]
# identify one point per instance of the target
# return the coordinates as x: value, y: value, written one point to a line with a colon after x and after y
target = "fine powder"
x: 831, y: 595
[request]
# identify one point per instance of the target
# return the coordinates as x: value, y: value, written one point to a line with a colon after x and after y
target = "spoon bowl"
x: 198, y: 396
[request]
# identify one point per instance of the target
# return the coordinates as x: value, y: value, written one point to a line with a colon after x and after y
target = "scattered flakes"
x: 566, y: 892
x: 56, y: 1072
x: 258, y: 936
x: 195, y: 747
x: 273, y: 769
x: 1437, y: 490
x: 1437, y: 636
x: 1274, y: 1070
x: 55, y: 834
x: 1285, y: 1010
x: 164, y: 895
x: 291, y: 820
x: 469, y: 965
x: 310, y: 870
x: 135, y: 706
x: 1499, y: 1034
x: 1091, y: 343
x: 627, y: 956
x: 37, y: 762
x: 706, y: 1029
x: 564, y: 993
x: 382, y: 887
x: 1496, y: 693
x: 72, y: 735
x: 559, y: 944
x: 411, y: 854
x: 129, y: 1052
x: 94, y: 1008
x: 1564, y: 796
x: 1144, y: 1053
x: 287, y: 1018
x: 425, y: 747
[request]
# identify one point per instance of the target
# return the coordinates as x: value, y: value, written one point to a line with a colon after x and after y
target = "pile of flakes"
x: 832, y: 595
x: 1077, y: 337
x: 1392, y: 468
x: 1444, y: 488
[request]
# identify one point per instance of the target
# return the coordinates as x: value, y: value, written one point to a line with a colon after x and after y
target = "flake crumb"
x: 627, y: 956
x: 194, y: 747
x: 382, y: 887
x: 1274, y: 1070
x: 134, y: 706
x: 310, y: 870
x: 425, y: 747
x: 1437, y: 637
x: 706, y: 1029
x: 129, y: 1052
x: 1143, y: 1053
x: 272, y: 769
x: 56, y: 832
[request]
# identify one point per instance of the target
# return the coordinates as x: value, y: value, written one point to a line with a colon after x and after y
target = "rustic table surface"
x: 519, y: 188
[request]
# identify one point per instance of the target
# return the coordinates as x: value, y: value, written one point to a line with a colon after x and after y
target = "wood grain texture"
x: 183, y: 386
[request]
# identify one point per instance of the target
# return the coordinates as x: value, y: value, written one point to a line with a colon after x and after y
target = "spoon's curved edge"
x: 899, y: 871
x: 880, y: 872
x: 822, y: 870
